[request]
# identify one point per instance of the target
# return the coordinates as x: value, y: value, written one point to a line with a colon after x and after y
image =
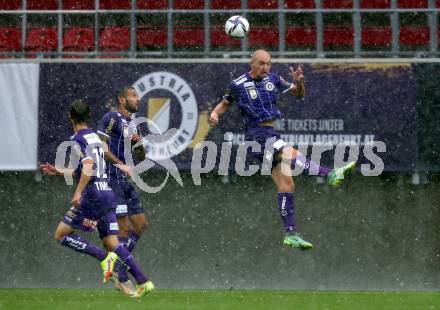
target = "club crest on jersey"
x: 268, y: 86
x: 252, y: 93
x: 172, y: 99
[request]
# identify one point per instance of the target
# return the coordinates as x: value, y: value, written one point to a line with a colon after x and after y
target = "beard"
x: 131, y: 108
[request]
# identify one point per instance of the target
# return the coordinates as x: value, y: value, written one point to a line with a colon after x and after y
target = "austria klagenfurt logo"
x: 170, y: 104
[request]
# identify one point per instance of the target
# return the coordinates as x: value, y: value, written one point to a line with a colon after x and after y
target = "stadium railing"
x: 178, y: 28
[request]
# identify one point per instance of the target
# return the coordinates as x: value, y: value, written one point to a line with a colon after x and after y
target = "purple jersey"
x: 98, y: 202
x: 257, y: 98
x: 116, y: 127
x: 89, y: 146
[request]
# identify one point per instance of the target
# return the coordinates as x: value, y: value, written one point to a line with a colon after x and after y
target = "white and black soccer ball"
x: 237, y: 27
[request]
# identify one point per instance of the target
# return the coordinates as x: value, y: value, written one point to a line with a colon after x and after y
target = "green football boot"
x: 107, y: 266
x: 295, y: 241
x: 143, y: 289
x: 336, y: 176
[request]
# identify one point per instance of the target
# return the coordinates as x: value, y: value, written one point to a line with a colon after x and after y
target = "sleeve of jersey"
x: 106, y: 125
x: 229, y: 93
x: 282, y: 85
x: 82, y: 150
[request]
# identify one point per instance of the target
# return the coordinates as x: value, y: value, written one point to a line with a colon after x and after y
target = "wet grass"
x: 80, y: 299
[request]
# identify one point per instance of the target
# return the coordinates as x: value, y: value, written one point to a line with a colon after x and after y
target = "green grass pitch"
x: 97, y: 299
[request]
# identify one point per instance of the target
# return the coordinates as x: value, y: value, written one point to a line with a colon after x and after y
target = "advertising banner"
x: 360, y: 103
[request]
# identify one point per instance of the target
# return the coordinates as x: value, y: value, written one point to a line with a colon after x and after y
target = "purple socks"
x: 287, y: 211
x: 82, y: 245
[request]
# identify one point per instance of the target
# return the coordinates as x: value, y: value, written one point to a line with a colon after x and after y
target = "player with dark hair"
x: 255, y: 93
x: 93, y: 203
x: 113, y: 128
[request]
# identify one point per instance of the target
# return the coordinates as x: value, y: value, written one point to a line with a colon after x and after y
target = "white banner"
x: 19, y: 116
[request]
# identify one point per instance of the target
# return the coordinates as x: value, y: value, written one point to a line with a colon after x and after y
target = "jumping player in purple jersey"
x: 255, y: 93
x: 93, y: 203
x: 113, y: 128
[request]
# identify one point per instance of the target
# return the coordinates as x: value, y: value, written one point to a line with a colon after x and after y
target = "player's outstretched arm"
x: 86, y: 174
x: 218, y: 111
x: 111, y: 158
x: 299, y: 89
x: 50, y: 170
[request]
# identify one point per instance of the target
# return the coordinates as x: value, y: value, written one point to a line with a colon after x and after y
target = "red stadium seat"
x: 220, y: 38
x: 185, y: 4
x: 10, y: 39
x: 410, y: 4
x: 337, y: 4
x: 225, y: 4
x: 188, y: 36
x: 42, y: 40
x: 10, y: 4
x: 267, y: 36
x: 151, y: 37
x: 337, y: 36
x: 378, y: 36
x: 375, y: 4
x: 78, y: 40
x: 42, y: 5
x: 152, y: 4
x: 297, y: 36
x: 114, y: 4
x: 258, y: 4
x: 410, y: 35
x: 79, y: 4
x: 115, y: 39
x: 299, y: 4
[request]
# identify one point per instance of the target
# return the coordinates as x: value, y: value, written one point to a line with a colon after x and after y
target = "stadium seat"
x: 220, y: 38
x: 188, y: 36
x: 299, y: 4
x: 10, y: 4
x: 41, y: 40
x: 225, y: 4
x: 375, y: 4
x: 410, y: 35
x: 42, y: 5
x: 151, y: 37
x: 412, y: 4
x: 152, y: 4
x: 114, y: 39
x: 185, y: 4
x: 338, y: 36
x: 78, y: 40
x: 267, y: 36
x: 300, y: 36
x: 258, y: 4
x: 114, y: 4
x: 376, y: 36
x: 10, y: 39
x: 337, y: 4
x: 79, y: 4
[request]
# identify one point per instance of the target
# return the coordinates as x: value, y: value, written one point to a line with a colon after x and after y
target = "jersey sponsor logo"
x: 252, y: 92
x: 88, y: 223
x: 269, y: 86
x: 247, y: 84
x: 92, y: 138
x: 109, y: 128
x: 174, y: 91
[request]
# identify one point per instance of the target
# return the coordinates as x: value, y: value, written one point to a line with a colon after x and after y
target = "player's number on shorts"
x: 98, y: 152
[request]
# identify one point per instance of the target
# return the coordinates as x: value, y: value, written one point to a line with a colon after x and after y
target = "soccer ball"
x: 237, y: 27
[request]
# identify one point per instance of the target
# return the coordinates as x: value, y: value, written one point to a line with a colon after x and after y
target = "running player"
x: 255, y: 93
x: 113, y: 128
x: 93, y: 203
